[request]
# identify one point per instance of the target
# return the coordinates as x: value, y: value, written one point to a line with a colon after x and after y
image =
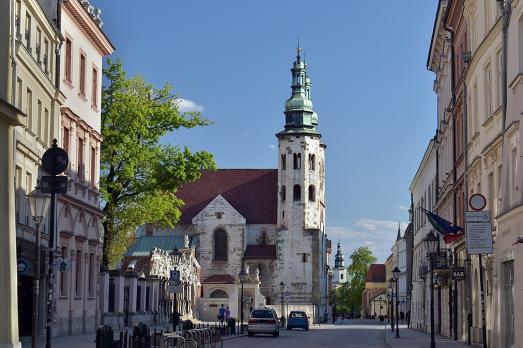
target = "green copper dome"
x: 299, y: 114
x: 298, y: 102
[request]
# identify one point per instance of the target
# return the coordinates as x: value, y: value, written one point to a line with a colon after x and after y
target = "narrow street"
x: 349, y: 333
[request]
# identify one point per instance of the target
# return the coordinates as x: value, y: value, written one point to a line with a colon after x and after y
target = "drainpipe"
x: 505, y: 7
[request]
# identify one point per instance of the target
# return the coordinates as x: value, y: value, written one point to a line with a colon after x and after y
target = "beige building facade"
x: 78, y: 211
x: 30, y: 42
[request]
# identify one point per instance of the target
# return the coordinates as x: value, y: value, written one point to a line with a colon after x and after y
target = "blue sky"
x: 370, y: 87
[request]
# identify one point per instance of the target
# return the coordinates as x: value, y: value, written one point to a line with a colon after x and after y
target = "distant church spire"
x: 339, y: 259
x: 399, y: 232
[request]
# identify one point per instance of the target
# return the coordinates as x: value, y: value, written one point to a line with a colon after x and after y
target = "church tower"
x: 340, y: 271
x: 301, y: 202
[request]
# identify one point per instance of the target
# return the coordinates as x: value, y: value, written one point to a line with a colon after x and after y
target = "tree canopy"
x: 140, y: 175
x: 348, y: 296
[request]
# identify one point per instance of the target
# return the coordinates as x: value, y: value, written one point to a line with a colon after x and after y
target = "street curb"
x: 233, y: 337
x: 385, y: 337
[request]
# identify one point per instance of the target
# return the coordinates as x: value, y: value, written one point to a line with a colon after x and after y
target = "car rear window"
x: 297, y: 315
x: 261, y: 314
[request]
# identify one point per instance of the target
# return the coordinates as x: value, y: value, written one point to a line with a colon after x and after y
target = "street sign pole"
x: 479, y: 242
x: 54, y: 161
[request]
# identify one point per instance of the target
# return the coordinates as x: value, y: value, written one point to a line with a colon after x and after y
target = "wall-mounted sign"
x: 22, y: 266
x: 478, y: 232
x: 458, y: 273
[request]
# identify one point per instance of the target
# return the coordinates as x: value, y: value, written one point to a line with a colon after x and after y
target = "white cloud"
x: 378, y: 235
x: 379, y: 225
x: 402, y: 207
x: 186, y: 105
x: 272, y: 146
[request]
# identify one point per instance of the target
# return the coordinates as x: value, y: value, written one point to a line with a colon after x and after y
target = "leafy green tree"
x: 342, y: 298
x: 348, y: 296
x: 139, y: 174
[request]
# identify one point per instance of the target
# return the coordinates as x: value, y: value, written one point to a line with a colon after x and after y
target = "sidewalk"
x: 88, y: 340
x: 410, y: 338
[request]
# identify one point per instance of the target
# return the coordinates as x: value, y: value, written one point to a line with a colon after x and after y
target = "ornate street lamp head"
x: 282, y: 286
x: 431, y: 242
x: 396, y: 274
x: 39, y: 203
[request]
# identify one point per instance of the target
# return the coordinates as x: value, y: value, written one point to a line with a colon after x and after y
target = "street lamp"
x: 391, y: 281
x: 282, y: 289
x: 396, y: 276
x: 243, y: 278
x: 431, y: 243
x: 38, y: 202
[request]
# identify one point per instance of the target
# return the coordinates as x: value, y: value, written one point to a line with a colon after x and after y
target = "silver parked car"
x: 263, y: 320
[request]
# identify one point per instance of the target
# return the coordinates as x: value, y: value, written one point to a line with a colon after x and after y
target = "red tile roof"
x: 219, y: 279
x: 376, y: 273
x: 266, y: 252
x: 252, y: 192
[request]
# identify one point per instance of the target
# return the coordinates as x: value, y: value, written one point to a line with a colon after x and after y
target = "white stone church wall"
x: 208, y: 221
x: 255, y: 232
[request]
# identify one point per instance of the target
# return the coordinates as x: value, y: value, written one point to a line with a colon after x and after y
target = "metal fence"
x: 143, y: 337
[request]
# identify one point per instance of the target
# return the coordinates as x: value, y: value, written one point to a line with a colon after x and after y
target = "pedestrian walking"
x: 221, y: 314
x: 227, y: 314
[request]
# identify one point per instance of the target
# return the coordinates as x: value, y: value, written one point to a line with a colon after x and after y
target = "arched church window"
x: 312, y: 162
x: 297, y: 160
x: 312, y: 193
x: 283, y: 162
x: 219, y: 293
x: 283, y: 193
x: 296, y: 193
x: 220, y: 245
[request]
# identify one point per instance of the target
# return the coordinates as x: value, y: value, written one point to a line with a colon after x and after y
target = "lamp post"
x: 282, y: 289
x: 431, y: 242
x: 392, y: 314
x: 38, y: 202
x: 396, y: 276
x: 243, y: 278
x: 389, y: 309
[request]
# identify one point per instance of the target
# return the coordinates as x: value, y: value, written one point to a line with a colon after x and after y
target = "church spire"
x: 339, y: 259
x: 398, y: 237
x: 300, y: 117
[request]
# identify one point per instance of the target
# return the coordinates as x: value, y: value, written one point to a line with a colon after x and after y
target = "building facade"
x: 78, y: 211
x: 422, y: 189
x: 477, y: 147
x: 29, y: 82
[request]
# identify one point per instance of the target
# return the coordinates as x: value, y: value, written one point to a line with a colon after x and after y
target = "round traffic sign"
x: 477, y: 201
x: 55, y: 160
x: 22, y: 266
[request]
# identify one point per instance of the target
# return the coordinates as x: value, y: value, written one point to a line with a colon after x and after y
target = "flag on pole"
x: 446, y: 228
